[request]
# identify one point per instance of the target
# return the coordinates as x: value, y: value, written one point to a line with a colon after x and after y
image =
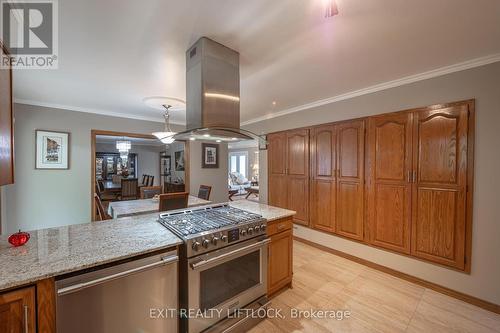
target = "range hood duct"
x: 213, y: 94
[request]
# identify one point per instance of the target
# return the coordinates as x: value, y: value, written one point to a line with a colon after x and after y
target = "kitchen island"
x: 54, y: 252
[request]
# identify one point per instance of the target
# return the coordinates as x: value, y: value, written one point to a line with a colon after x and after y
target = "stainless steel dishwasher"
x: 128, y: 297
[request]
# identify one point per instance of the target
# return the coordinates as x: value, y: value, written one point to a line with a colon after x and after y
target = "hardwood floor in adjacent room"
x: 377, y: 302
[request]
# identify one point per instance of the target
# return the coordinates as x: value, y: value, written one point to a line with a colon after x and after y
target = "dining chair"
x: 101, y: 212
x: 171, y: 201
x: 147, y: 192
x: 151, y: 180
x: 144, y: 180
x: 129, y: 189
x: 204, y: 192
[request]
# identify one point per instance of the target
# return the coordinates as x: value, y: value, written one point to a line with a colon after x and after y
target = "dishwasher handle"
x: 79, y: 286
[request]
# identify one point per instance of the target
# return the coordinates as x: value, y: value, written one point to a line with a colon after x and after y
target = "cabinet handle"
x: 408, y: 176
x: 414, y: 176
x: 25, y: 319
x: 281, y: 226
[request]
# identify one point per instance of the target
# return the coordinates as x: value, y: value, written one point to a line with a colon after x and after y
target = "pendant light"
x: 166, y: 137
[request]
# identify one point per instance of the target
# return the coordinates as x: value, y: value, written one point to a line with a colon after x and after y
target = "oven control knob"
x: 223, y: 238
x: 243, y: 232
x: 196, y: 246
x: 205, y: 243
x: 262, y: 227
x: 215, y: 240
x: 256, y: 228
x: 250, y: 230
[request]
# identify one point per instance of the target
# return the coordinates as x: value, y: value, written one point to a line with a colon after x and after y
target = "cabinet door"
x: 277, y: 182
x: 280, y: 261
x: 439, y: 188
x: 17, y: 311
x: 350, y: 179
x: 298, y: 174
x: 389, y: 154
x: 323, y: 184
x: 6, y: 132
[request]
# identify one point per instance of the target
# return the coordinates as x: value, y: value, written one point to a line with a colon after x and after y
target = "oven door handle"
x: 202, y: 263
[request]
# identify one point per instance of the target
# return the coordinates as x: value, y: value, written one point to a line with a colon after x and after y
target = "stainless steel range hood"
x: 213, y: 94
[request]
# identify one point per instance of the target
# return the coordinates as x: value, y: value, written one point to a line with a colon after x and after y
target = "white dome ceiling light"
x: 167, y: 104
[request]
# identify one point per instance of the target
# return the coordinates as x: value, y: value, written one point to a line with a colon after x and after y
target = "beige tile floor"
x: 378, y: 302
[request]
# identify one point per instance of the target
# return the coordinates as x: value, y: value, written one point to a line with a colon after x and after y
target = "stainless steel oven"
x: 225, y: 280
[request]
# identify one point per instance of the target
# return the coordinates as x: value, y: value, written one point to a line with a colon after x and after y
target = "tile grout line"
x: 416, y: 308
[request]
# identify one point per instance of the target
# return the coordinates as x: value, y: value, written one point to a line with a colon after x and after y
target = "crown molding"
x: 102, y: 112
x: 478, y: 62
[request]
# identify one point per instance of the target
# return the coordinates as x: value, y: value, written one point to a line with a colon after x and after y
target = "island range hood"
x: 213, y: 94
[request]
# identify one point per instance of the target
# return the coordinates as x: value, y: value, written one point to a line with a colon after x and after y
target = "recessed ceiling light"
x: 192, y: 139
x: 218, y: 141
x: 274, y: 103
x: 206, y: 135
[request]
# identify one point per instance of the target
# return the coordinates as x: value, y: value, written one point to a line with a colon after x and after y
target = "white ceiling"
x: 114, y: 53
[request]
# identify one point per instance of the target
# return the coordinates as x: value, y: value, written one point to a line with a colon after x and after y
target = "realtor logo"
x: 29, y: 31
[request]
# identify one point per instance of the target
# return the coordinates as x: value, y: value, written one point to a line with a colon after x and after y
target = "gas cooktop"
x: 213, y: 227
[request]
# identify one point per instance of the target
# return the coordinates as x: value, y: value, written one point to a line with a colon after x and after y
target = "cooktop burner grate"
x: 205, y: 219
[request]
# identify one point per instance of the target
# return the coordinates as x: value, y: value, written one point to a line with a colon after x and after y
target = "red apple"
x: 19, y: 238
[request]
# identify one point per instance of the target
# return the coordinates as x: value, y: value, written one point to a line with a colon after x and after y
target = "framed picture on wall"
x: 179, y: 160
x: 210, y: 155
x: 51, y: 150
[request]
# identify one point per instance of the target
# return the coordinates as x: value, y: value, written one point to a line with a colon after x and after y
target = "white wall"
x: 47, y: 198
x: 481, y: 83
x: 217, y: 178
x: 148, y: 158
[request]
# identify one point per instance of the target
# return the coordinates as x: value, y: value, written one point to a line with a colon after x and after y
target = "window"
x: 238, y: 162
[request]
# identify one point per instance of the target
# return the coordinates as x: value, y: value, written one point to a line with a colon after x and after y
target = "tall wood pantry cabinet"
x: 337, y: 178
x: 403, y: 184
x: 288, y: 156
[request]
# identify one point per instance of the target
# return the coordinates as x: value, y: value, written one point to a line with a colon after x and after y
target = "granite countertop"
x: 270, y: 213
x: 56, y: 251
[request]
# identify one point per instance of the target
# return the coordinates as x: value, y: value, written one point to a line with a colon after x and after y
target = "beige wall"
x: 217, y: 178
x: 49, y: 198
x: 483, y: 84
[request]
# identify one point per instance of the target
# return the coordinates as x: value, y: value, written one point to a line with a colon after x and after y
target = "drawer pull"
x: 281, y: 226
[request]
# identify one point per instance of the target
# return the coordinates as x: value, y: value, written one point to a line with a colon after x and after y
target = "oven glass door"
x: 229, y: 279
x: 226, y: 280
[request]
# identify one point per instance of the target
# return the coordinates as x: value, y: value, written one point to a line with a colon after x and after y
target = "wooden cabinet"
x: 324, y: 180
x: 417, y: 197
x: 298, y: 174
x: 280, y: 255
x: 337, y: 161
x: 389, y: 161
x: 17, y: 311
x: 350, y: 179
x: 440, y: 185
x: 6, y: 125
x: 277, y: 182
x: 288, y: 157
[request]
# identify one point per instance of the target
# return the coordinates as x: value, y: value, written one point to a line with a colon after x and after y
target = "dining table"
x: 110, y: 186
x: 117, y: 209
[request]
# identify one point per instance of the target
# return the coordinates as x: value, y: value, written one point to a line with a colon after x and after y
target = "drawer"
x: 274, y: 227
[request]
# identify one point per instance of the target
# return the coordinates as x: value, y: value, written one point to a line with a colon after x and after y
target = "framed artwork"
x: 210, y: 155
x: 179, y: 160
x: 51, y: 150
